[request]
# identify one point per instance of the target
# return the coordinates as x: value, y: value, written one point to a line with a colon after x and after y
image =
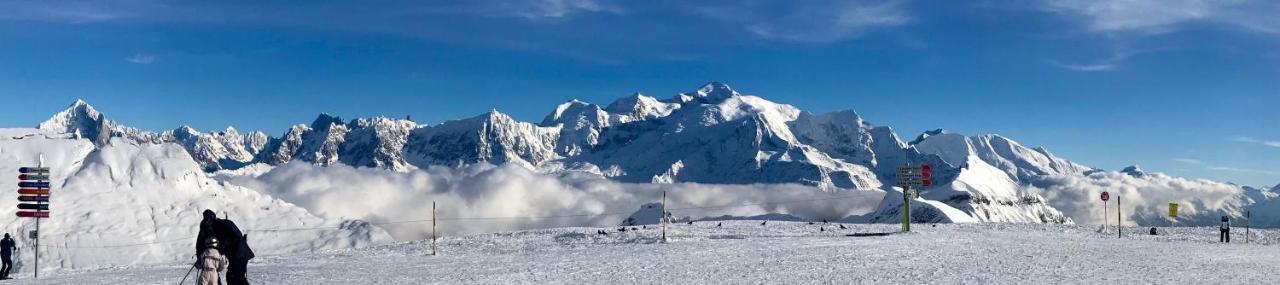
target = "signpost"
x: 1105, y: 196
x: 33, y: 201
x: 912, y: 175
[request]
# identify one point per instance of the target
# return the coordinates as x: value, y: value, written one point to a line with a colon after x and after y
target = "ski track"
x: 743, y: 252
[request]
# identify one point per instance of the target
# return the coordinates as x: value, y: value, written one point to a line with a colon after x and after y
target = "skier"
x: 718, y: 225
x: 211, y: 263
x: 842, y: 227
x: 231, y: 242
x: 1225, y: 230
x: 6, y: 254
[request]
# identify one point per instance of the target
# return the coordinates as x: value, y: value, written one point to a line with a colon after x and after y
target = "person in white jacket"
x: 211, y: 263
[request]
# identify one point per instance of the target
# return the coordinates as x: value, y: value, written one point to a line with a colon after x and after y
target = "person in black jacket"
x: 231, y: 242
x: 6, y: 253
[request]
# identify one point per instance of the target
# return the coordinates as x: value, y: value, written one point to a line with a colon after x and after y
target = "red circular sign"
x: 1106, y: 196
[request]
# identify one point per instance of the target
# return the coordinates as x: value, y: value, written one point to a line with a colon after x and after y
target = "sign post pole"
x: 433, y: 227
x: 906, y: 209
x: 1105, y: 224
x: 1119, y: 222
x: 908, y: 176
x: 663, y: 216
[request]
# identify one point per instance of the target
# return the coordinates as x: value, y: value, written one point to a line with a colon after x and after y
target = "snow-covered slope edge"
x: 126, y: 203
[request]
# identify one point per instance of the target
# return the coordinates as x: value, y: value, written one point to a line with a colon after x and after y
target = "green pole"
x: 906, y: 209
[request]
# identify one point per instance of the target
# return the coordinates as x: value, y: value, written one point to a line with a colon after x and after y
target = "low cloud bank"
x: 486, y: 198
x: 1144, y: 198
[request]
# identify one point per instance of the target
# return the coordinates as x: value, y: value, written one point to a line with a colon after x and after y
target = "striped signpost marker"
x: 33, y: 200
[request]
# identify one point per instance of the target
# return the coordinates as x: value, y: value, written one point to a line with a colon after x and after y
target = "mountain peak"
x: 79, y: 116
x: 324, y: 120
x: 712, y: 92
x: 1134, y: 170
x: 928, y: 134
x: 716, y: 90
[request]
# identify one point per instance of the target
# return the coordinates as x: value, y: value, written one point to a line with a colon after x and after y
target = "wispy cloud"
x: 830, y: 21
x: 804, y: 21
x: 536, y: 9
x: 141, y: 59
x: 1188, y: 160
x: 1164, y: 16
x: 74, y: 12
x: 1118, y: 56
x: 1242, y: 170
x: 1252, y: 140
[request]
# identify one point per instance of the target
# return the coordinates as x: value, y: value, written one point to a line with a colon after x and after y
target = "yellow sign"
x: 1173, y: 210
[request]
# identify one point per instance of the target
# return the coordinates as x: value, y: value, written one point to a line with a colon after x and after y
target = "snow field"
x: 744, y: 252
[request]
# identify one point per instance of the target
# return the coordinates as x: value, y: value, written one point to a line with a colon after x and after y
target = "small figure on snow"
x: 622, y: 229
x: 211, y: 263
x: 1225, y: 230
x: 822, y: 229
x: 690, y: 223
x: 842, y: 227
x: 762, y: 223
x: 718, y: 225
x: 6, y: 253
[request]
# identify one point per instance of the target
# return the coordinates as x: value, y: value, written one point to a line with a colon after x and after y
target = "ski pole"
x: 184, y: 277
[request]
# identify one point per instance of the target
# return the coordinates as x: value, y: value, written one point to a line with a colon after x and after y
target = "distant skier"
x: 762, y: 223
x: 718, y: 225
x: 211, y: 264
x: 690, y: 223
x: 842, y: 227
x: 231, y: 242
x: 1224, y: 234
x: 6, y: 254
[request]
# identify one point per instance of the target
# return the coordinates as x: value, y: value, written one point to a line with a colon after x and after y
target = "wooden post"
x: 1246, y: 226
x: 433, y: 227
x: 663, y: 216
x: 1119, y: 222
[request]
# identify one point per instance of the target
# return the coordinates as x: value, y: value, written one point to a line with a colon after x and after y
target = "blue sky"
x: 1190, y: 88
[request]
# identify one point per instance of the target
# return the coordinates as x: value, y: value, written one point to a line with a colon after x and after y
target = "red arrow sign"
x: 30, y: 214
x: 925, y: 168
x: 26, y: 191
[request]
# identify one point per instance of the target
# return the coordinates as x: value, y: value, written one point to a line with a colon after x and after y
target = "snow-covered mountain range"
x: 712, y: 135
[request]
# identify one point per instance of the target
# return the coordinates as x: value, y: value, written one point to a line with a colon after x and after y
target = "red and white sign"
x: 1106, y: 196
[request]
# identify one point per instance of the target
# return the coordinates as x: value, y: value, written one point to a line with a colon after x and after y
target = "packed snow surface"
x: 745, y: 252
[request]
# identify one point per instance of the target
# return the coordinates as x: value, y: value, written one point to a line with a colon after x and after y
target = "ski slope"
x: 744, y: 252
